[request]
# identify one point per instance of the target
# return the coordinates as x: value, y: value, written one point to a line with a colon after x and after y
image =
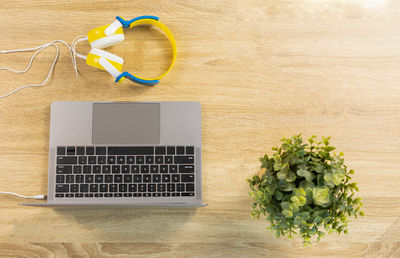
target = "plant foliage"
x: 305, y: 188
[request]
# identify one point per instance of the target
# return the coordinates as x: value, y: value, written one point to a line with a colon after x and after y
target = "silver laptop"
x: 124, y: 154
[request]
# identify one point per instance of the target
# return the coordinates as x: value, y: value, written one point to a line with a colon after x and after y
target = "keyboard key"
x: 61, y: 151
x: 149, y: 159
x: 89, y: 195
x: 146, y: 178
x: 125, y: 169
x: 78, y: 195
x: 180, y: 187
x: 89, y: 150
x: 168, y: 160
x: 171, y: 150
x: 103, y: 188
x: 92, y: 160
x: 135, y: 169
x: 137, y: 195
x: 101, y: 151
x: 164, y: 169
x: 189, y: 150
x: 186, y: 168
x: 127, y: 178
x: 82, y: 160
x: 74, y: 188
x: 166, y: 178
x: 147, y: 195
x: 184, y: 159
x: 98, y: 178
x: 111, y: 160
x: 171, y: 187
x: 113, y: 188
x: 99, y: 195
x: 187, y: 178
x: 173, y: 168
x: 59, y: 195
x: 156, y: 178
x: 96, y: 169
x: 67, y: 160
x: 71, y: 151
x: 144, y: 169
x: 106, y: 169
x: 79, y: 179
x: 187, y: 194
x: 132, y: 188
x: 118, y: 178
x: 160, y: 187
x: 118, y: 195
x: 139, y: 159
x: 60, y: 179
x: 89, y: 179
x: 151, y: 188
x: 123, y: 188
x: 69, y: 179
x: 121, y: 160
x: 166, y: 194
x: 116, y: 169
x: 87, y: 169
x: 142, y: 188
x: 175, y: 194
x: 108, y: 195
x: 78, y: 169
x: 160, y: 150
x: 159, y: 159
x: 176, y: 178
x: 84, y: 188
x: 137, y: 178
x: 189, y: 187
x: 80, y: 150
x: 156, y: 195
x: 101, y: 160
x: 131, y: 150
x: 180, y: 150
x: 64, y: 169
x: 153, y: 169
x: 130, y: 160
x: 108, y: 179
x: 127, y: 195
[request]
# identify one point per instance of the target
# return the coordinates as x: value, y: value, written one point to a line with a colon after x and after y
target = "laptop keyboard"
x: 144, y: 171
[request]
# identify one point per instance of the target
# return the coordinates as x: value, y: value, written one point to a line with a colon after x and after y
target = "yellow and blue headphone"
x: 108, y: 35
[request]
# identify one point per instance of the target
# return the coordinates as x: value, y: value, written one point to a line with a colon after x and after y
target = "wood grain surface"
x: 261, y: 70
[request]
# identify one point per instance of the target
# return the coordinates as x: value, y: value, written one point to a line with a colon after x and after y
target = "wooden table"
x: 261, y: 70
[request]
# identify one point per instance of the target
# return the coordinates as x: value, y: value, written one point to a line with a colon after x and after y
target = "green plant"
x: 303, y: 188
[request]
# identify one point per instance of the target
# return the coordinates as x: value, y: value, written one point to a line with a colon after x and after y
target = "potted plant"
x: 304, y: 188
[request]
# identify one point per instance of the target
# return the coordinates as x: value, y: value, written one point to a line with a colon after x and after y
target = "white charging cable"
x: 37, y: 51
x: 36, y: 197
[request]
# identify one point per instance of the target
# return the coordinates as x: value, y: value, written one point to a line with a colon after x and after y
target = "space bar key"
x: 122, y: 150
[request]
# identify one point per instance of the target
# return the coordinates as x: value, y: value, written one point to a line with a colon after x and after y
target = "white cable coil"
x: 37, y: 197
x: 37, y: 51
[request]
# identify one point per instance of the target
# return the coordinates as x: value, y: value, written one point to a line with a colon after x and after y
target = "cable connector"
x: 40, y: 197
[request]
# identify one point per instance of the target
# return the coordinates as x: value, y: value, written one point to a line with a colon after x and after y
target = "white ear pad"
x: 107, y: 55
x: 107, y: 41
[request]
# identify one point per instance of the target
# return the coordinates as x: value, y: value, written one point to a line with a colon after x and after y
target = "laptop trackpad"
x: 126, y: 123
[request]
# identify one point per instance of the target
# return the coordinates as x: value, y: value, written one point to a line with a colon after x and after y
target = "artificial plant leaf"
x: 302, y: 200
x: 286, y: 205
x: 321, y: 196
x: 295, y: 201
x: 287, y: 213
x: 303, y: 172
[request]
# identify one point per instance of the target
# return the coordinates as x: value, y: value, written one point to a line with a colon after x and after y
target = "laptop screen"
x: 126, y: 123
